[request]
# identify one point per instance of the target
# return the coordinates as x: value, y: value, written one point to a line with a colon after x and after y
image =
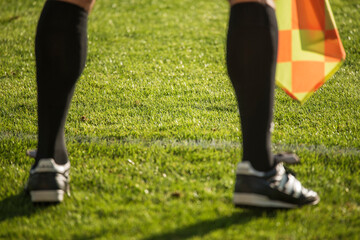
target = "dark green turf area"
x: 153, y: 131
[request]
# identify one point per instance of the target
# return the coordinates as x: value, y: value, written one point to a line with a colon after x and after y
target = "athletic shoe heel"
x: 48, y: 181
x: 47, y: 196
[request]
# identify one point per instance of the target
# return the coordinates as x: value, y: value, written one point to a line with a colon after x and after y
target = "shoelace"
x: 286, y: 182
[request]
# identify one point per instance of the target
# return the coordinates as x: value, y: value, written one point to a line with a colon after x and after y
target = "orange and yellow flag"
x: 310, y: 49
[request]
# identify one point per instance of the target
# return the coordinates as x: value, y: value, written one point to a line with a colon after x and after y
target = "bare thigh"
x: 86, y: 4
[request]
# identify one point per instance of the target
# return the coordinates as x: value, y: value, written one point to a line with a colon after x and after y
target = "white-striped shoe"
x: 48, y: 181
x: 276, y: 188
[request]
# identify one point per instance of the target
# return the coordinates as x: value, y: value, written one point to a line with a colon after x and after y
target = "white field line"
x: 214, y: 144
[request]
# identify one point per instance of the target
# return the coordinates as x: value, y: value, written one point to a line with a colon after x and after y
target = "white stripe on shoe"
x: 47, y: 196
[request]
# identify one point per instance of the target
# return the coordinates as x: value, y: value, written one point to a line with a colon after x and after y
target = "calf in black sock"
x: 251, y: 63
x: 60, y: 48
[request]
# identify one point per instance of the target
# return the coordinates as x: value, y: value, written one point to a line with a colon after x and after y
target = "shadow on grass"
x: 19, y: 205
x: 202, y: 228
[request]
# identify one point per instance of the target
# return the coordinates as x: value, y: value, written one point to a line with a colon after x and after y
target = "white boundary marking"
x: 217, y: 144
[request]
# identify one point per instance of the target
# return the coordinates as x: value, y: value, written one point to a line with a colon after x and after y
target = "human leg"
x: 60, y: 48
x: 261, y: 180
x: 251, y: 62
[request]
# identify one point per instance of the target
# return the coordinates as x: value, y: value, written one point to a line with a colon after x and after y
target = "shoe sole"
x: 47, y: 196
x: 256, y: 200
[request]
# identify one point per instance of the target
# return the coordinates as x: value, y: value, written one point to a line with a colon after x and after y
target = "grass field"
x: 153, y: 131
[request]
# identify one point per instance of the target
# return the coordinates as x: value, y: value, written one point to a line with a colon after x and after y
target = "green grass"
x: 153, y: 131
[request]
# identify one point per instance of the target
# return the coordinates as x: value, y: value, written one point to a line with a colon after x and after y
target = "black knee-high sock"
x: 60, y: 48
x: 251, y: 61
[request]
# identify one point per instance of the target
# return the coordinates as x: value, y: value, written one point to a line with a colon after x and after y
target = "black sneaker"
x: 48, y: 181
x: 274, y: 189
